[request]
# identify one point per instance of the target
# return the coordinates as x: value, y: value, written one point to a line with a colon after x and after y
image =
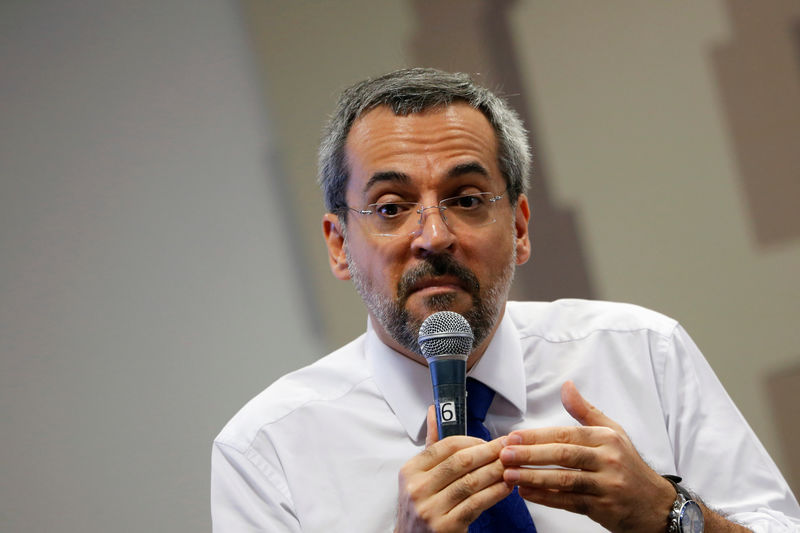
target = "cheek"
x: 390, y: 274
x: 381, y: 265
x: 487, y: 251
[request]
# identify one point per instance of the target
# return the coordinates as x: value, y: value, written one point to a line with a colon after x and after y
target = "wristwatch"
x: 685, y: 515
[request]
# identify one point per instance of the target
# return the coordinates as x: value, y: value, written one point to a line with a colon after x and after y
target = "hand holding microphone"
x: 456, y: 479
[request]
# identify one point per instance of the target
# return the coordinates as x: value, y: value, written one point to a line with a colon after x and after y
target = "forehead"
x: 422, y: 147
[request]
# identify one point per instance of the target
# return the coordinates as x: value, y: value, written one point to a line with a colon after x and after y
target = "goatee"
x: 394, y: 317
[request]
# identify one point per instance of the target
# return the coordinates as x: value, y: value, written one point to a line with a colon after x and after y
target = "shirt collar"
x: 502, y: 369
x: 406, y: 384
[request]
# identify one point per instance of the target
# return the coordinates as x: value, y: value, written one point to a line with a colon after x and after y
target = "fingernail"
x: 511, y: 475
x: 507, y: 456
x: 513, y: 439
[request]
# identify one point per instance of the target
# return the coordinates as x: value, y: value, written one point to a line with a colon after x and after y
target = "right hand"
x: 450, y: 483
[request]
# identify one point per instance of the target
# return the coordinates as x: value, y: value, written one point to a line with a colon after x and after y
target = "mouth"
x: 437, y: 284
x: 437, y: 276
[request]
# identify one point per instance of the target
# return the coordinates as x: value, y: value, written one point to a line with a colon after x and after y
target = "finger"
x: 444, y: 462
x: 566, y: 455
x: 468, y: 510
x: 468, y: 459
x: 442, y: 450
x: 579, y: 435
x: 558, y: 479
x: 575, y: 503
x: 472, y: 483
x: 433, y: 430
x: 583, y: 411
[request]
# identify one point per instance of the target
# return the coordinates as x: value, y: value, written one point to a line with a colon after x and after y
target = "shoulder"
x: 573, y: 319
x: 330, y: 379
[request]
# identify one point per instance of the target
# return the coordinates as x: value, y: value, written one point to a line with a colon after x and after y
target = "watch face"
x: 691, y: 518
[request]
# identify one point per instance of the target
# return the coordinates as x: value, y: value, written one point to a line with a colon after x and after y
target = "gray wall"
x: 147, y: 288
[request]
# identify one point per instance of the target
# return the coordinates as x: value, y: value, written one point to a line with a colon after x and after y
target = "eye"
x: 468, y: 201
x: 391, y: 209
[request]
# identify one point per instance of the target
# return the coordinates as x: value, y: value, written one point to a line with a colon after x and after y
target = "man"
x: 425, y: 177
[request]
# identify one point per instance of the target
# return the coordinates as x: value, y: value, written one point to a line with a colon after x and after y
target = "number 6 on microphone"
x: 447, y: 411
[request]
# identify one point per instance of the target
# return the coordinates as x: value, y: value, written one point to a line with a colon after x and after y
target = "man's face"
x: 427, y: 157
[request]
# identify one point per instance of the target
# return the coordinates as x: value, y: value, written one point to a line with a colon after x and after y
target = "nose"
x: 433, y: 234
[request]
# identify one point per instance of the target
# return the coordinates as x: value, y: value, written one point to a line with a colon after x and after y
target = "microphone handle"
x: 449, y: 378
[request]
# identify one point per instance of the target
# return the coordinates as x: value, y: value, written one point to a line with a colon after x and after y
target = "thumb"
x: 433, y: 430
x: 582, y: 411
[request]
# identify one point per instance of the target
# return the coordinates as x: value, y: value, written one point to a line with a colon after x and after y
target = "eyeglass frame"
x: 421, y: 211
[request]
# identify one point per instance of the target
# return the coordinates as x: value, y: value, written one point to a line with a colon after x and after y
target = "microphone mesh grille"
x: 445, y: 333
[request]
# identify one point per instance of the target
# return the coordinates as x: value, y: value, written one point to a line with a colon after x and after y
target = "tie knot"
x: 479, y: 398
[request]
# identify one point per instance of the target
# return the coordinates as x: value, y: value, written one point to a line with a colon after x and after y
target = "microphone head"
x: 445, y: 334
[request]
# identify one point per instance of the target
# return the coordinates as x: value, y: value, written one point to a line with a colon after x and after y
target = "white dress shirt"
x: 320, y: 449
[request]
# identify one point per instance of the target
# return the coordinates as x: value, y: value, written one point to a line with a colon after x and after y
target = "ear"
x: 523, y: 241
x: 334, y: 240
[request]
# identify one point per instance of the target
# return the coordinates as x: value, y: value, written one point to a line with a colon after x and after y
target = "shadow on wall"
x: 758, y: 75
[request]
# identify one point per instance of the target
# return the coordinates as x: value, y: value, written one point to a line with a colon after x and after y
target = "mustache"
x: 437, y: 265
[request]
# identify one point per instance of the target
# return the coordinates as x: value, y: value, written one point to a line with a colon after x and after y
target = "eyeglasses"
x: 395, y: 219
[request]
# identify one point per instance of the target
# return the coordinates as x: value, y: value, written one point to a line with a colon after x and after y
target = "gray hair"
x: 412, y: 91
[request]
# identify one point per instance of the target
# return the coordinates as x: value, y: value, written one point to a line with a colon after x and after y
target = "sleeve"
x: 247, y: 495
x: 716, y: 452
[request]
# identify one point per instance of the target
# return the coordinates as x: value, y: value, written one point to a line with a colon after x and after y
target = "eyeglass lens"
x: 405, y: 218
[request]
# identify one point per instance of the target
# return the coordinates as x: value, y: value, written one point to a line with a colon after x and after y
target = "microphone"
x: 445, y: 339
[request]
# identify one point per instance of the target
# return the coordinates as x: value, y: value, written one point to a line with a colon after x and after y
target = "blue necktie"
x: 509, y: 514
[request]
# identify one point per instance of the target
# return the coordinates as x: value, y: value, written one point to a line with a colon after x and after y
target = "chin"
x: 441, y: 302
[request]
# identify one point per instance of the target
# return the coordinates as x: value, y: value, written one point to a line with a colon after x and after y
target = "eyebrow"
x: 387, y: 175
x: 404, y: 179
x: 473, y: 167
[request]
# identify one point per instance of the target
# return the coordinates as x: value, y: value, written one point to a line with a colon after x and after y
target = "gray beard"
x: 393, y: 316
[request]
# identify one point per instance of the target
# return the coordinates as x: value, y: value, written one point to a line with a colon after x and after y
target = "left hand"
x: 603, y: 476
